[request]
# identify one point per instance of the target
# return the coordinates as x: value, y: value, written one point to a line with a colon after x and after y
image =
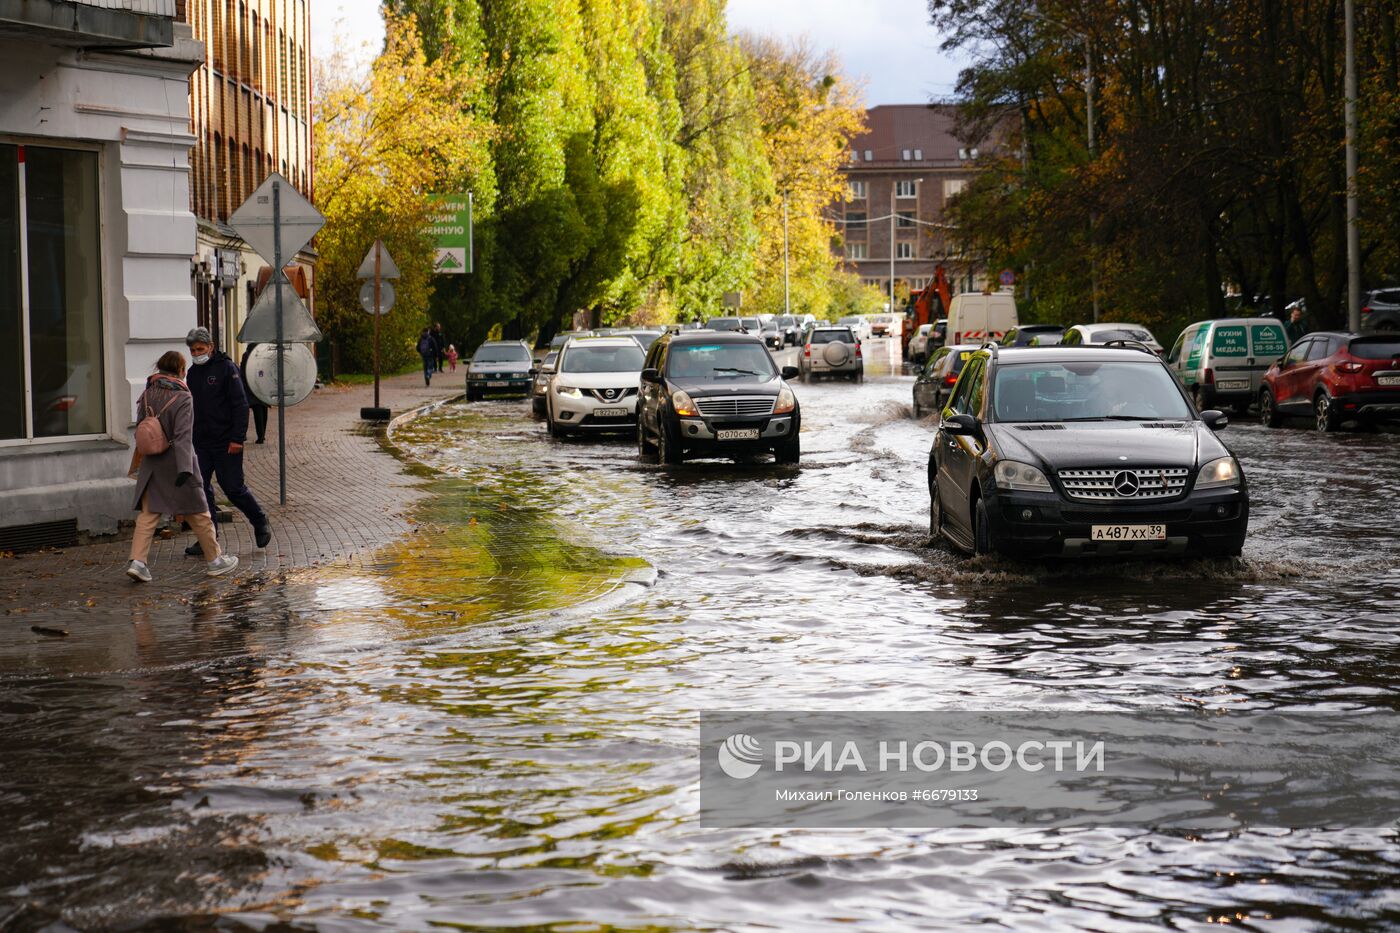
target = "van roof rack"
x: 1125, y: 344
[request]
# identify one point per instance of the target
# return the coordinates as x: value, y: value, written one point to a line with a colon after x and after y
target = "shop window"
x: 51, y: 376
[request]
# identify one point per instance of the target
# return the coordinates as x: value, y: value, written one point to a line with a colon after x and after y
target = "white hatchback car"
x: 594, y: 386
x: 1083, y: 335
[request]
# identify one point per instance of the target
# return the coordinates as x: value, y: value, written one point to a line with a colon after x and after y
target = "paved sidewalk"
x: 346, y: 497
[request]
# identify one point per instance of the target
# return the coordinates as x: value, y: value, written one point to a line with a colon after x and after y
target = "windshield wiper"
x: 731, y: 369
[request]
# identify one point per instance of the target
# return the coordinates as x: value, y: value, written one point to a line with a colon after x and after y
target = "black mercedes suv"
x: 716, y: 394
x: 1081, y: 451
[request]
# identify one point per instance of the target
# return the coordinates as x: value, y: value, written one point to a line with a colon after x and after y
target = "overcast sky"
x: 887, y: 44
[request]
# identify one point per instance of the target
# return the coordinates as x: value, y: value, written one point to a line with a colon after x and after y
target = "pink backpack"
x: 150, y: 436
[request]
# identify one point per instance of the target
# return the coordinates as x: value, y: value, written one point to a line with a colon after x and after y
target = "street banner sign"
x: 255, y: 224
x: 261, y: 324
x: 388, y: 269
x: 450, y: 228
x: 386, y: 297
x: 298, y: 373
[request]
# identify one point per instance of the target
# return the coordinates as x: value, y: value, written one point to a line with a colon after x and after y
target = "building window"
x: 256, y: 53
x: 855, y: 156
x: 952, y: 186
x: 918, y: 155
x: 905, y: 155
x: 905, y: 189
x: 918, y: 283
x: 858, y: 190
x: 51, y: 379
x: 905, y: 220
x: 904, y: 251
x: 856, y: 219
x: 856, y: 251
x: 869, y: 156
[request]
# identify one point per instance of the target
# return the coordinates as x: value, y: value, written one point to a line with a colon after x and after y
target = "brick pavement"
x: 346, y: 496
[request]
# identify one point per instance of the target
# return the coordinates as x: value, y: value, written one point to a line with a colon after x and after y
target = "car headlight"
x: 786, y: 402
x: 683, y: 404
x: 570, y: 391
x: 1012, y: 474
x: 476, y: 375
x: 1222, y: 472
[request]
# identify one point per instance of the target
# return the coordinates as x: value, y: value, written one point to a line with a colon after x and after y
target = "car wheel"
x: 667, y: 450
x: 935, y: 511
x: 645, y: 448
x: 981, y: 533
x: 789, y: 451
x: 1268, y: 411
x: 1328, y: 417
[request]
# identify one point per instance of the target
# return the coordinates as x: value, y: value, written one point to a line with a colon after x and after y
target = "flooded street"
x: 495, y: 725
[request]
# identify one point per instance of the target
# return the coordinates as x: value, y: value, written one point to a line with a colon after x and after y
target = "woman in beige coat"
x: 168, y: 482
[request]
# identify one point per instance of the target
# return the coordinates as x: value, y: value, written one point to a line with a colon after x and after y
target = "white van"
x: 1223, y: 362
x: 976, y: 317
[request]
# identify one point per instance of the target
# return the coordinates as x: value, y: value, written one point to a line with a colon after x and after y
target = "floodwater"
x: 495, y: 725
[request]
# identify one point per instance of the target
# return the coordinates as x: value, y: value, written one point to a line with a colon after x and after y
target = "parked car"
x: 1080, y: 451
x: 1223, y: 362
x: 499, y: 367
x: 886, y: 325
x: 539, y: 388
x: 1083, y: 335
x: 858, y: 324
x: 1335, y: 378
x: 1046, y: 340
x: 936, y: 379
x: 1380, y: 312
x: 1022, y: 335
x: 716, y: 395
x: 976, y: 317
x: 831, y: 351
x: 919, y: 344
x: 595, y: 386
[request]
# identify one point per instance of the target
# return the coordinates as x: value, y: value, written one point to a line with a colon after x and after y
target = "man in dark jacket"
x: 439, y: 345
x: 220, y: 428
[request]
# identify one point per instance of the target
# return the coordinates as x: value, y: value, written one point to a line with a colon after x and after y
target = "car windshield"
x: 751, y: 323
x: 1121, y: 333
x: 787, y: 320
x: 832, y: 336
x: 953, y: 360
x: 718, y: 362
x: 506, y: 353
x: 724, y: 323
x: 1046, y: 339
x: 559, y: 339
x: 1087, y: 391
x: 581, y: 358
x: 1375, y: 348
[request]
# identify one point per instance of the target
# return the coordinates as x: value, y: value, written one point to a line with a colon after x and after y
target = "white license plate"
x: 497, y: 385
x: 1230, y: 385
x: 1128, y: 532
x: 611, y: 413
x: 1388, y: 379
x: 737, y: 434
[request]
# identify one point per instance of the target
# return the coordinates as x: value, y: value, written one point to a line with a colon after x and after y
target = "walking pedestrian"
x: 166, y: 468
x: 427, y: 349
x: 256, y: 405
x: 439, y: 345
x: 451, y: 358
x: 220, y: 428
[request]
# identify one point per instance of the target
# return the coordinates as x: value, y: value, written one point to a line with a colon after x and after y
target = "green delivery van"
x: 1222, y: 362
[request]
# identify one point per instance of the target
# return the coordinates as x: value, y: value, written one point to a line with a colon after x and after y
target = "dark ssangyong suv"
x: 1082, y: 451
x: 713, y: 394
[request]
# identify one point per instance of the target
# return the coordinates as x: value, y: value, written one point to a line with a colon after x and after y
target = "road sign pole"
x: 281, y: 348
x: 378, y: 265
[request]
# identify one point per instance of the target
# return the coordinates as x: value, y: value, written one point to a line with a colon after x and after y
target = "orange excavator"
x: 926, y: 306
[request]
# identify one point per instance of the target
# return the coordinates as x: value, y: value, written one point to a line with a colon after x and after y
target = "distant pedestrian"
x: 220, y: 428
x: 451, y: 358
x: 166, y: 469
x: 439, y: 345
x: 256, y: 405
x: 427, y: 349
x: 1296, y: 328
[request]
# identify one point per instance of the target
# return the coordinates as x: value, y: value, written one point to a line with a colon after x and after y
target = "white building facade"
x: 96, y: 237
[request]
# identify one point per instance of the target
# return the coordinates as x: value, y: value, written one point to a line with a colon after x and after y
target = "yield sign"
x: 256, y: 224
x: 387, y: 268
x: 297, y: 324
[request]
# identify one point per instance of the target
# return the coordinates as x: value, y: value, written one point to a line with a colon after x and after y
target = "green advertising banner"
x: 1230, y: 341
x: 1269, y: 340
x: 450, y: 226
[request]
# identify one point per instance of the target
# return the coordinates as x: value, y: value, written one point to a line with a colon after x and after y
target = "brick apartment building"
x: 250, y: 109
x: 901, y: 174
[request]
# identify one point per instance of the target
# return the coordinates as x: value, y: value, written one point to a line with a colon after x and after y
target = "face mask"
x: 201, y: 360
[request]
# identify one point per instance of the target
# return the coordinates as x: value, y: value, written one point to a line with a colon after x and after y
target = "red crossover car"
x: 1334, y: 378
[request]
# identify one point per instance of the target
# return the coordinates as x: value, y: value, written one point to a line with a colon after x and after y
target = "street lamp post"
x: 1353, y: 208
x: 787, y: 306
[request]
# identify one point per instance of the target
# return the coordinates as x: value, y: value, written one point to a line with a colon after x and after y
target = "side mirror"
x: 791, y: 372
x: 1282, y: 362
x: 1215, y: 419
x: 651, y: 375
x: 534, y: 370
x: 960, y: 424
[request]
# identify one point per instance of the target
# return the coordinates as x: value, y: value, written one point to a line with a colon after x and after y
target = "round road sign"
x: 386, y: 297
x: 1008, y: 278
x: 298, y: 366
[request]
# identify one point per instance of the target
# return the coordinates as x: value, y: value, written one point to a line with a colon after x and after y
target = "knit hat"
x: 199, y: 335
